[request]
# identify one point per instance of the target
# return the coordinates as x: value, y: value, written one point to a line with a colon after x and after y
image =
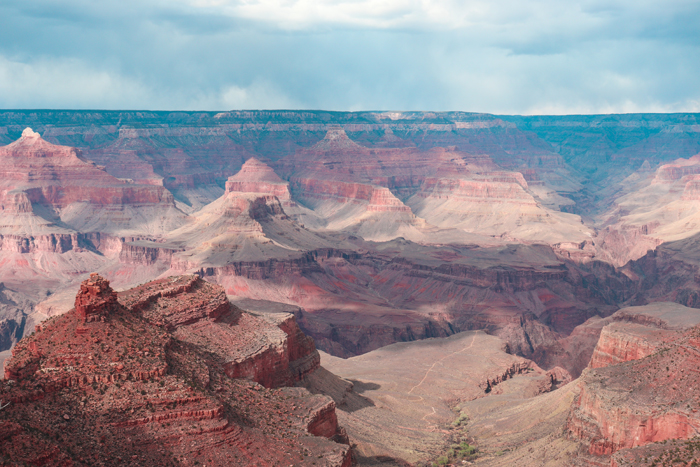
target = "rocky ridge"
x: 344, y: 182
x: 42, y: 183
x: 641, y: 384
x: 135, y: 388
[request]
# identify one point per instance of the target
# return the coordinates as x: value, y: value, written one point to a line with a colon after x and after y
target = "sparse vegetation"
x: 461, y: 420
x: 457, y: 453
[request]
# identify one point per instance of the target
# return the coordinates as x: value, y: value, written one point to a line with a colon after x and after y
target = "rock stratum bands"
x: 554, y: 258
x: 166, y: 373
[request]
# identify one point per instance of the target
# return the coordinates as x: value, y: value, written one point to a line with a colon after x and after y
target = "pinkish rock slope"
x: 43, y: 183
x: 346, y: 184
x: 258, y: 177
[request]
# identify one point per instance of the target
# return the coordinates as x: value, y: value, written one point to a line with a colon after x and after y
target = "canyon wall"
x: 145, y: 370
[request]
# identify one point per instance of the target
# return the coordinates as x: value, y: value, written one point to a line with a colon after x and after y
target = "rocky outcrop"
x: 515, y: 369
x: 96, y: 299
x: 280, y: 358
x: 146, y: 253
x: 623, y: 342
x: 609, y: 421
x: 150, y: 385
x: 177, y: 301
x: 57, y: 176
x: 268, y: 349
x: 641, y: 386
x: 258, y: 177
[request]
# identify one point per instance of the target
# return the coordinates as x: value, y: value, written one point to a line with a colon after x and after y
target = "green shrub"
x: 463, y: 418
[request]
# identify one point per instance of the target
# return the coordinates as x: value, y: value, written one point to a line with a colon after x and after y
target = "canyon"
x: 564, y: 249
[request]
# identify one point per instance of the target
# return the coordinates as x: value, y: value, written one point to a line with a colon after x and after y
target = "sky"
x: 496, y: 56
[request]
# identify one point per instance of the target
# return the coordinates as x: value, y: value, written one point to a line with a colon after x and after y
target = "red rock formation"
x: 96, y: 299
x: 623, y: 342
x: 125, y: 391
x: 257, y: 177
x: 446, y: 187
x: 270, y: 350
x: 177, y: 301
x: 642, y: 384
x: 58, y: 176
x: 609, y: 418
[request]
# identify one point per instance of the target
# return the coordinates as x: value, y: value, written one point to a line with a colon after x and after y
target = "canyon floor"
x: 482, y: 289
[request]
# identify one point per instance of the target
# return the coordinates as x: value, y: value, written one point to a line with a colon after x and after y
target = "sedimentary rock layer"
x: 141, y: 385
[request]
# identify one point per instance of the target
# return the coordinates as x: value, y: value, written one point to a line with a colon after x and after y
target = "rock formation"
x: 258, y: 177
x: 155, y: 384
x: 69, y: 189
x: 641, y: 381
x: 644, y: 401
x: 346, y: 184
x: 96, y: 299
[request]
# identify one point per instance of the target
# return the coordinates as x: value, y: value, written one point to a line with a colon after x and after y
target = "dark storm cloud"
x: 502, y: 56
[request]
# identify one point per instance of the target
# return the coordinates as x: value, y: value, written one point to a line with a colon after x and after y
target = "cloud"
x: 55, y: 83
x: 256, y: 96
x: 500, y: 56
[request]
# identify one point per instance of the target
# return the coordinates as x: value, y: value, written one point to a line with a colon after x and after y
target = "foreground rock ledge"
x: 168, y: 373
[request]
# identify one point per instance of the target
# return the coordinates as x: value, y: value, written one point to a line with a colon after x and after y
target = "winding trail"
x: 439, y: 361
x: 433, y: 427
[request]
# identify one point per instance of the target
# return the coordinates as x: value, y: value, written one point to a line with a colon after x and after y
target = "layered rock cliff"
x: 41, y: 183
x: 344, y: 182
x: 641, y: 385
x: 151, y: 383
x: 258, y: 177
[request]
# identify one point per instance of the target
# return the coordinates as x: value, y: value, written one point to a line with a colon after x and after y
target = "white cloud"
x: 256, y: 96
x: 72, y: 83
x: 499, y: 56
x: 65, y: 83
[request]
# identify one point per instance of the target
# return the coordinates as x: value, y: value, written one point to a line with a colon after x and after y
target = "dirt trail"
x: 432, y: 367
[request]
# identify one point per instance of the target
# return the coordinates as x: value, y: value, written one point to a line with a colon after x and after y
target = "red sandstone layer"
x: 58, y: 176
x: 119, y: 389
x: 258, y: 177
x: 642, y: 385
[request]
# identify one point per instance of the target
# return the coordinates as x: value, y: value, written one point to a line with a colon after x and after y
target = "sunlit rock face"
x: 171, y: 359
x: 258, y: 177
x: 49, y: 189
x: 639, y: 382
